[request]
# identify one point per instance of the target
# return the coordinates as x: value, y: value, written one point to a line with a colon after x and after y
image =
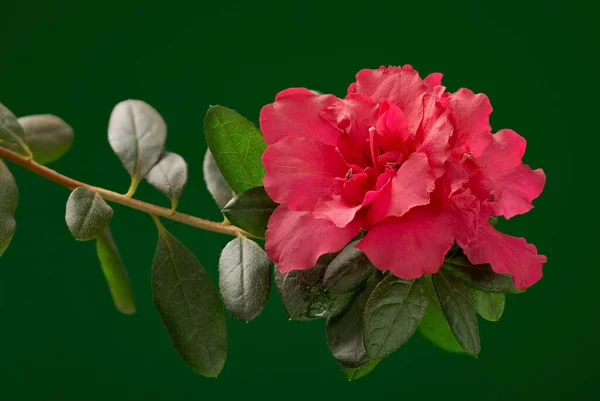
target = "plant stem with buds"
x: 125, y: 200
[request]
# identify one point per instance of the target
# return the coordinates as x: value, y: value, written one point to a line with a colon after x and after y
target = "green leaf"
x: 303, y: 294
x: 114, y: 272
x: 47, y: 136
x: 348, y: 271
x: 250, y: 211
x: 435, y: 328
x: 9, y: 198
x: 137, y: 133
x: 188, y: 304
x: 489, y: 305
x: 345, y: 331
x: 215, y: 182
x: 12, y: 135
x: 361, y: 371
x: 169, y: 176
x: 87, y: 214
x: 458, y: 308
x: 244, y: 278
x: 481, y: 277
x: 434, y: 325
x: 237, y: 147
x: 392, y: 315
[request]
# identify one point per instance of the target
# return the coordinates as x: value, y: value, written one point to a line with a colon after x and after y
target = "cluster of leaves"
x: 369, y: 314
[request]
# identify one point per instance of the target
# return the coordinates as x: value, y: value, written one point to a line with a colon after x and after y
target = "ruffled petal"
x: 340, y: 211
x: 432, y: 80
x: 515, y: 185
x: 506, y: 255
x: 392, y: 129
x: 353, y: 115
x: 295, y: 240
x: 471, y: 114
x: 402, y: 85
x: 296, y: 113
x: 435, y: 132
x: 410, y: 187
x: 412, y: 245
x: 300, y: 171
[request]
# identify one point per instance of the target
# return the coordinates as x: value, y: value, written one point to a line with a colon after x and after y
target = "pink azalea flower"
x: 415, y: 167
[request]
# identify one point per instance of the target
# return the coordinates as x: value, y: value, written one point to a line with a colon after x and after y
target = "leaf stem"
x: 124, y: 200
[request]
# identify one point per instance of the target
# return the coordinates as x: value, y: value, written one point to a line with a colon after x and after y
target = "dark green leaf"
x: 489, y: 305
x: 169, y: 176
x: 244, y: 278
x: 188, y: 304
x: 250, y: 210
x: 12, y: 135
x: 114, y: 272
x: 457, y: 306
x: 361, y: 371
x: 434, y: 325
x: 87, y: 214
x: 215, y: 182
x: 237, y: 147
x: 392, y: 315
x: 137, y: 133
x: 481, y: 277
x: 303, y: 295
x: 9, y: 198
x: 47, y: 136
x: 345, y: 332
x: 348, y: 271
x: 435, y: 328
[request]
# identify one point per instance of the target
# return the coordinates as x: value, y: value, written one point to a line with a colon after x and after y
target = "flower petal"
x: 506, y: 255
x: 402, y: 85
x: 300, y: 171
x: 410, y: 187
x: 296, y: 113
x: 295, y: 240
x: 515, y: 185
x: 432, y: 80
x: 435, y: 132
x: 353, y: 115
x: 471, y: 114
x: 412, y: 245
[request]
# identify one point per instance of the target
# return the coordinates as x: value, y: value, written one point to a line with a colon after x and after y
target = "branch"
x: 121, y: 199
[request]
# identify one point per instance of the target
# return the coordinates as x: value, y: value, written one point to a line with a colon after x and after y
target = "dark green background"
x: 61, y: 338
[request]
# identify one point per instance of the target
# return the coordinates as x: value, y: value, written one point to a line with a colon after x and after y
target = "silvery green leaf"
x: 9, y: 197
x: 114, y: 272
x: 87, y: 214
x: 244, y: 278
x: 12, y: 135
x: 188, y: 304
x: 137, y: 133
x: 47, y: 136
x: 215, y: 182
x: 169, y: 176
